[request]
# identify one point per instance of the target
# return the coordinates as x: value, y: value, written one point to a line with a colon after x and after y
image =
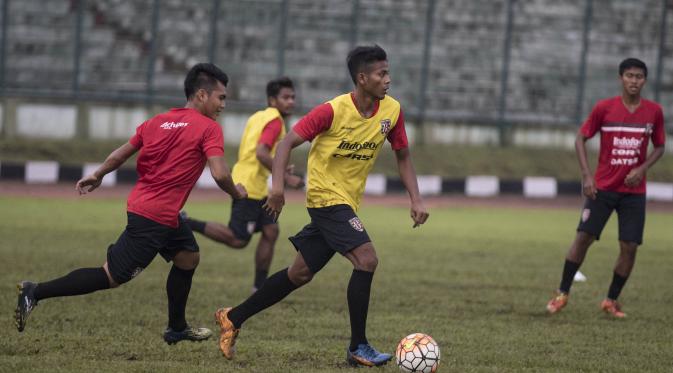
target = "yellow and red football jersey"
x: 345, y: 146
x: 248, y: 170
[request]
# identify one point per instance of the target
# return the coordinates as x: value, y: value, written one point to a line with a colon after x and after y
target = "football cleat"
x: 25, y: 304
x: 228, y: 333
x: 557, y: 303
x: 366, y: 355
x: 612, y: 307
x: 189, y: 334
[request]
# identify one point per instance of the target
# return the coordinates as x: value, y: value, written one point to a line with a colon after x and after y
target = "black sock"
x: 274, y: 289
x: 78, y: 282
x: 196, y: 225
x: 359, y: 288
x: 569, y: 270
x: 260, y: 277
x: 178, y: 284
x: 616, y: 285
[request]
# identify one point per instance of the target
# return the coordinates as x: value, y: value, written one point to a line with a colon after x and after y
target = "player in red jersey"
x: 174, y: 149
x: 627, y: 124
x: 346, y: 134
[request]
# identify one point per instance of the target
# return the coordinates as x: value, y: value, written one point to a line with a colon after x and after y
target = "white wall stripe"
x: 376, y: 184
x: 41, y: 172
x: 109, y: 179
x: 659, y: 191
x: 539, y: 187
x: 482, y: 186
x: 429, y: 185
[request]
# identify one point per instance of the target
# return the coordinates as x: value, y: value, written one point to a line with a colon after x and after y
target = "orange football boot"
x: 228, y: 333
x: 612, y: 307
x: 557, y: 303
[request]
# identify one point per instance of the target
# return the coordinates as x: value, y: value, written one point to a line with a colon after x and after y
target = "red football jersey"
x: 174, y: 147
x: 624, y: 140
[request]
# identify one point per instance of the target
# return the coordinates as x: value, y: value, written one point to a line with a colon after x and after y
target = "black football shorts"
x: 141, y: 241
x: 630, y: 213
x: 332, y: 229
x: 247, y: 217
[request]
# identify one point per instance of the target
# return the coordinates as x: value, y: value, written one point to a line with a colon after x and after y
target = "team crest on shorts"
x: 136, y: 272
x: 585, y: 215
x: 385, y: 126
x: 356, y: 224
x: 251, y: 227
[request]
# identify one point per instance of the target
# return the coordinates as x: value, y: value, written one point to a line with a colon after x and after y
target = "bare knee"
x: 364, y: 257
x: 628, y: 248
x: 270, y: 232
x: 367, y: 263
x: 299, y: 275
x: 187, y: 260
x: 111, y: 281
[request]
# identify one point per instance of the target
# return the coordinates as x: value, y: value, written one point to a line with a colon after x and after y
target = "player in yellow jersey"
x: 347, y: 134
x: 262, y: 132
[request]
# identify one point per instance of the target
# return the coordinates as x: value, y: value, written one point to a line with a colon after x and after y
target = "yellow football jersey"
x: 248, y: 170
x: 342, y: 156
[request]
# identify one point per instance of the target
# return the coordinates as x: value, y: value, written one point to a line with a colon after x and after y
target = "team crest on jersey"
x: 356, y: 224
x: 585, y: 215
x: 385, y: 126
x: 649, y: 128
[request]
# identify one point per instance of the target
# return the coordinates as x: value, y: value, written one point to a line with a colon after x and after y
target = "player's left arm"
x: 112, y: 162
x: 637, y: 175
x: 408, y: 176
x: 400, y: 144
x: 271, y: 135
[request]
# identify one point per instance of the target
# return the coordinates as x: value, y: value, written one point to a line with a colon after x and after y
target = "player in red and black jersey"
x: 174, y: 148
x: 627, y: 124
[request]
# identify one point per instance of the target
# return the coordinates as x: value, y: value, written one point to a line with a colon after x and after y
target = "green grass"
x: 453, y: 161
x: 475, y: 279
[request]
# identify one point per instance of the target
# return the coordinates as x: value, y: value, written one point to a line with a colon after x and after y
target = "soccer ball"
x: 417, y: 352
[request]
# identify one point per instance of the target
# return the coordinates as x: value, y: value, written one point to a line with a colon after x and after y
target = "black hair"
x: 631, y: 63
x: 361, y: 56
x: 274, y: 86
x: 204, y: 76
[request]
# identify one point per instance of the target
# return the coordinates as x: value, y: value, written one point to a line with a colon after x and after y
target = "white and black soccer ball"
x: 417, y: 352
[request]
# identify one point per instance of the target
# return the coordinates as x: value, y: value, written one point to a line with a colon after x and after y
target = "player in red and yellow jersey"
x: 347, y: 134
x: 263, y: 131
x: 627, y: 124
x: 173, y: 149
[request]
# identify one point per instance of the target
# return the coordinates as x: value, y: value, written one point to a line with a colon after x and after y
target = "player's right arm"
x: 587, y: 131
x: 588, y: 184
x: 276, y: 199
x: 112, y: 162
x: 222, y: 176
x: 311, y: 125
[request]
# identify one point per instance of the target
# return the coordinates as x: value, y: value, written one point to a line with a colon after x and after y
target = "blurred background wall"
x: 466, y: 71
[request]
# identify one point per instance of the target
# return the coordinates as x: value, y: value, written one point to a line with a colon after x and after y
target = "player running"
x: 263, y: 131
x: 174, y: 148
x: 627, y: 124
x: 347, y: 134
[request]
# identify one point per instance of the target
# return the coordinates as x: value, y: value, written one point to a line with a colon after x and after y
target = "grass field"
x: 475, y: 279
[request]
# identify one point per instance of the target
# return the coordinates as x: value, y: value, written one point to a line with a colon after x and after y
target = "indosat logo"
x: 627, y: 142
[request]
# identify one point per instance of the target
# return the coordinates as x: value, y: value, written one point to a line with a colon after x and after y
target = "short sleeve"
x: 659, y: 130
x: 213, y: 141
x: 398, y: 135
x: 315, y: 122
x: 270, y: 133
x: 593, y: 122
x: 137, y: 139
